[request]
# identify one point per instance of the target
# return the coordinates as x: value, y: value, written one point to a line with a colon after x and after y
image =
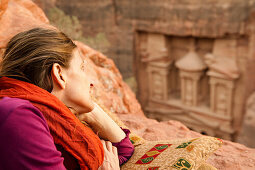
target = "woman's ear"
x: 58, y: 75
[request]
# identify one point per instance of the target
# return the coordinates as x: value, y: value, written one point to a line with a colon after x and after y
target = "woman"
x: 43, y: 85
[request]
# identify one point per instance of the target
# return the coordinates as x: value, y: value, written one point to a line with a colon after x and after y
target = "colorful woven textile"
x: 187, y: 154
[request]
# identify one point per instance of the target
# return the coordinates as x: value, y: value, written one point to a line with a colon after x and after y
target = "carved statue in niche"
x: 191, y: 70
x: 222, y: 98
x: 143, y: 52
x: 188, y: 91
x: 157, y: 91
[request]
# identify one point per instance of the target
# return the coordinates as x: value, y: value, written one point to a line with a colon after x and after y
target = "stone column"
x: 221, y: 95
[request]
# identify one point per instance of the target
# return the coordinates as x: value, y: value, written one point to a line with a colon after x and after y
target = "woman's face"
x: 77, y: 89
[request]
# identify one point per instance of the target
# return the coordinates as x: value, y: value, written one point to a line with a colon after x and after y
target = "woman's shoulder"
x: 9, y: 103
x: 18, y: 113
x: 25, y: 131
x: 10, y: 106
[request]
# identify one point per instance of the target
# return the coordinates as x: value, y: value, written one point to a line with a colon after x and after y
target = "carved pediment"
x: 221, y: 67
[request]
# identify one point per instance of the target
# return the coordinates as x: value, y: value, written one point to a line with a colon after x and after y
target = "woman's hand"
x: 103, y: 125
x: 111, y: 161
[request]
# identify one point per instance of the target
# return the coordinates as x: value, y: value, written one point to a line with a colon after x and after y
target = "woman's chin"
x: 87, y: 108
x: 91, y: 106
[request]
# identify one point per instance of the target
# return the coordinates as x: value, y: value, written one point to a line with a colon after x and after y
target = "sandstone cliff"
x: 115, y: 94
x: 121, y: 18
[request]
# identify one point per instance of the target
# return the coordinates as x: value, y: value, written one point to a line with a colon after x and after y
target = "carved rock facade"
x: 198, y: 81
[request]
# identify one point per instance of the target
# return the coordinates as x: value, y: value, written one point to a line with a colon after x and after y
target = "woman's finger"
x: 109, y: 146
x: 104, y: 145
x: 114, y: 150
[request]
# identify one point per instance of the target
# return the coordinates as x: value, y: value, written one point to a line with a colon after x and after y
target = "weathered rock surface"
x: 16, y: 16
x: 121, y: 18
x: 116, y: 95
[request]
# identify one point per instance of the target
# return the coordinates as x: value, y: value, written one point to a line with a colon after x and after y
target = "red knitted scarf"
x: 67, y: 131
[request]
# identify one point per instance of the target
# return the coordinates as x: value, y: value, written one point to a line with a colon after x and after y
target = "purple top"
x: 26, y: 142
x: 125, y: 148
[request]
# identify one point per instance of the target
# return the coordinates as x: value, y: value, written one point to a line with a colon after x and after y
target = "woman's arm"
x: 107, y: 129
x: 103, y: 125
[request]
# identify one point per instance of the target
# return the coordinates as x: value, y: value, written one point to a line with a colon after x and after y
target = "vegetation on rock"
x: 72, y: 27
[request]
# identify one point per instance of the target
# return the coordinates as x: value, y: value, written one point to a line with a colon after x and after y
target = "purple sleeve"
x: 26, y: 142
x: 125, y: 148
